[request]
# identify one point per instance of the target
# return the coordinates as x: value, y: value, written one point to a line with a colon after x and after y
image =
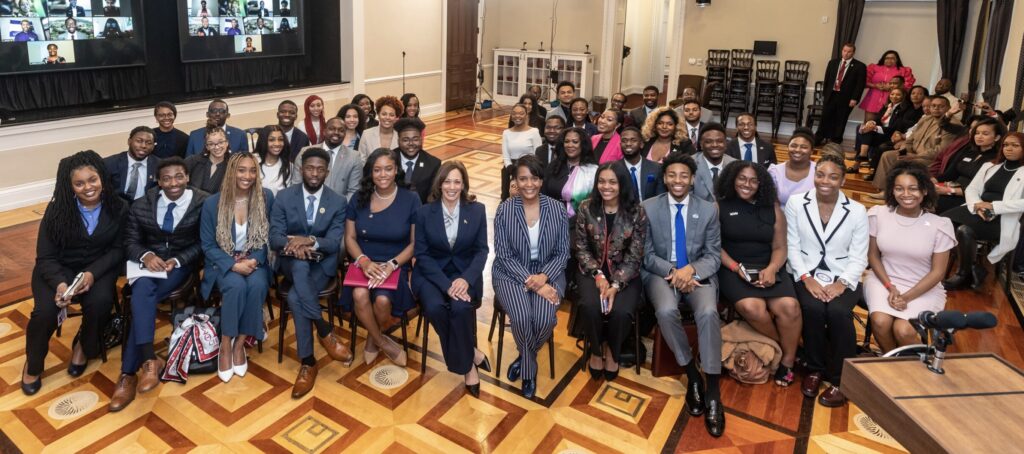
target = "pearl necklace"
x: 389, y: 197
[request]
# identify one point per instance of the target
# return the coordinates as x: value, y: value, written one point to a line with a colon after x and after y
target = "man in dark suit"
x: 161, y: 235
x: 287, y: 112
x: 418, y: 167
x: 205, y: 29
x: 217, y: 115
x: 73, y: 10
x: 553, y: 127
x: 691, y: 121
x: 169, y: 141
x: 646, y: 173
x: 308, y: 219
x: 133, y: 172
x: 747, y: 145
x: 639, y: 115
x: 844, y: 85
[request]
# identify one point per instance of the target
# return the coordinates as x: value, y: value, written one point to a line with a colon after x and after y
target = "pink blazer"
x: 612, y: 152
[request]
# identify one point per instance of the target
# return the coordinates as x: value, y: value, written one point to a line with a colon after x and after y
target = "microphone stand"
x: 403, y: 73
x: 941, y: 339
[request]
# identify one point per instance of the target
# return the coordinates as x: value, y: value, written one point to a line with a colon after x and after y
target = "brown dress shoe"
x: 150, y: 376
x: 809, y: 386
x: 124, y: 393
x: 832, y: 397
x: 336, y: 349
x: 304, y: 382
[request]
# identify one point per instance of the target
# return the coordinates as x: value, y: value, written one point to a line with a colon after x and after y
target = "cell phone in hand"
x: 753, y: 275
x: 604, y: 306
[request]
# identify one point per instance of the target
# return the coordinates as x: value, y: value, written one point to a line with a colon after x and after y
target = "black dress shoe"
x: 474, y: 390
x: 529, y: 388
x: 514, y: 369
x: 76, y: 370
x: 484, y: 365
x: 595, y: 374
x: 32, y: 388
x: 714, y: 418
x: 695, y: 397
x: 611, y: 375
x: 957, y: 282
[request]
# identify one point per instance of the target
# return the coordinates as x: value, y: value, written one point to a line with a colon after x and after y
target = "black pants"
x: 96, y: 305
x: 828, y: 333
x: 506, y: 180
x: 454, y: 321
x: 613, y: 328
x: 834, y: 115
x: 948, y: 202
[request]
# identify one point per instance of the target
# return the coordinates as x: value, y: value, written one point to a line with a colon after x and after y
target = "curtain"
x: 54, y: 90
x: 847, y: 24
x: 1018, y: 92
x: 952, y: 27
x: 998, y: 35
x: 979, y: 43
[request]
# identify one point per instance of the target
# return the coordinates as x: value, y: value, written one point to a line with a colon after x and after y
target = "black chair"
x: 717, y: 71
x: 499, y: 315
x: 817, y: 106
x: 331, y: 293
x: 422, y: 321
x: 636, y: 343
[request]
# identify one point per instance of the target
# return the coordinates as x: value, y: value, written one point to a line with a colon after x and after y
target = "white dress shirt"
x: 316, y: 200
x: 743, y: 149
x: 180, y: 206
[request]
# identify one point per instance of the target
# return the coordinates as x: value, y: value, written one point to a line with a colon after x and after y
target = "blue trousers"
x: 241, y: 311
x: 308, y: 279
x: 454, y: 321
x: 146, y: 293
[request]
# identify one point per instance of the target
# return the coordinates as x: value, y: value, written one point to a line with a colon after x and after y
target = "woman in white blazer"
x: 995, y: 201
x: 827, y: 236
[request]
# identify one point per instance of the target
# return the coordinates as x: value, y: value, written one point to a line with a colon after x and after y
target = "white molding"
x: 444, y: 50
x: 398, y: 77
x: 358, y: 46
x: 676, y: 48
x: 603, y: 86
x: 26, y: 194
x: 427, y: 110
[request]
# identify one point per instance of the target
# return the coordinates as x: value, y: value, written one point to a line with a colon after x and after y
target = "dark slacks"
x: 241, y: 311
x: 146, y: 293
x: 96, y: 305
x: 613, y: 328
x: 454, y: 321
x: 828, y: 333
x: 506, y: 180
x: 308, y: 279
x: 834, y: 116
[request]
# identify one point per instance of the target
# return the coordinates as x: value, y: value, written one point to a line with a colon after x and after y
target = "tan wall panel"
x: 393, y: 26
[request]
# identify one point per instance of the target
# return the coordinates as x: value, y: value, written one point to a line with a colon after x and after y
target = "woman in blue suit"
x: 234, y: 231
x: 531, y: 245
x: 451, y: 250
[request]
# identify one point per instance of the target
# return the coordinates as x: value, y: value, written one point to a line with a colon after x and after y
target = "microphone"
x: 981, y: 320
x: 944, y: 320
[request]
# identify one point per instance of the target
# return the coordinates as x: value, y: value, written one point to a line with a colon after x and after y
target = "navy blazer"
x: 512, y: 243
x: 434, y: 254
x: 649, y: 178
x: 237, y: 141
x: 219, y: 262
x: 299, y: 141
x: 118, y: 170
x: 288, y: 217
x: 764, y: 149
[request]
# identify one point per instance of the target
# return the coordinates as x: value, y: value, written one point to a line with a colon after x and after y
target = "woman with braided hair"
x: 80, y: 234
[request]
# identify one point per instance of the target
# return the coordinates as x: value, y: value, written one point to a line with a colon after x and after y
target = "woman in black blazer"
x: 80, y: 233
x: 451, y: 250
x: 206, y: 169
x: 663, y: 136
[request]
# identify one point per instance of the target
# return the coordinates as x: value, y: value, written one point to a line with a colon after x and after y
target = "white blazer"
x: 1008, y: 209
x: 843, y: 244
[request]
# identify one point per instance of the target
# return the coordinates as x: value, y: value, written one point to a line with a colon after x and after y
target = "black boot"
x: 966, y: 248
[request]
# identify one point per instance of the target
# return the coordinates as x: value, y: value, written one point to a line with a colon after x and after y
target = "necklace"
x: 388, y: 197
x: 1008, y: 168
x: 241, y: 201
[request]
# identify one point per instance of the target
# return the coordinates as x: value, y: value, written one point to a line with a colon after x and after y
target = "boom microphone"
x: 944, y: 320
x: 981, y: 320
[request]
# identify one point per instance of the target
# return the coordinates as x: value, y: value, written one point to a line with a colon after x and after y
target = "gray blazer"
x: 345, y: 173
x: 703, y: 239
x: 369, y: 141
x: 703, y: 182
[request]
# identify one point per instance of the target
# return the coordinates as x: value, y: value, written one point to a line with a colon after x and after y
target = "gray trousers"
x: 704, y: 303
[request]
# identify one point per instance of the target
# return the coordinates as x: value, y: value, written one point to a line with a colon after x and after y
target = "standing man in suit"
x: 747, y: 145
x: 691, y: 120
x: 566, y: 92
x: 682, y: 254
x: 710, y: 162
x: 646, y: 174
x: 168, y: 140
x: 217, y: 115
x: 133, y: 172
x: 309, y: 218
x: 287, y: 112
x: 162, y: 234
x: 639, y: 115
x: 553, y: 127
x: 346, y: 167
x: 418, y: 167
x: 844, y: 84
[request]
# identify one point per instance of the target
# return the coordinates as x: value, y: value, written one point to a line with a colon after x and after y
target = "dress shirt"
x: 406, y: 161
x: 451, y: 223
x: 672, y: 221
x: 180, y: 207
x: 91, y: 218
x: 140, y: 190
x: 743, y: 149
x: 333, y: 152
x: 316, y: 200
x: 637, y: 171
x: 693, y: 132
x: 712, y: 166
x: 288, y: 134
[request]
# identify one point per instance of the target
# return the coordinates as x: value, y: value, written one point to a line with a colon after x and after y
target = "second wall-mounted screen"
x: 227, y: 29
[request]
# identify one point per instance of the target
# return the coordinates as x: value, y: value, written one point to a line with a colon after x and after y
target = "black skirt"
x: 733, y: 288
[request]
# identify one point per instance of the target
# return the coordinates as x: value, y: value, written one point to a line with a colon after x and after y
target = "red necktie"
x: 887, y: 115
x: 839, y: 78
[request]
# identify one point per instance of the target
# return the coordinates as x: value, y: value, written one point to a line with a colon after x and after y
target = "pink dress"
x: 874, y: 99
x: 907, y: 246
x: 786, y: 187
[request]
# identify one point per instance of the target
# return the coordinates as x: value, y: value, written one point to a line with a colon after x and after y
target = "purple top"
x: 787, y: 187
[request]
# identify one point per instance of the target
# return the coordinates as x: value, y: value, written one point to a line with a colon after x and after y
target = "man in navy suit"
x: 134, y: 171
x: 217, y: 114
x: 307, y: 221
x: 646, y: 173
x: 747, y: 145
x: 287, y: 112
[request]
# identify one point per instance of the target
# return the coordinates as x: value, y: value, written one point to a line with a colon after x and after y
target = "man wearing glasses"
x: 217, y: 115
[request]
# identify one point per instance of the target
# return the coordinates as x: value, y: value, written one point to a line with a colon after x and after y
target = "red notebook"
x: 354, y: 277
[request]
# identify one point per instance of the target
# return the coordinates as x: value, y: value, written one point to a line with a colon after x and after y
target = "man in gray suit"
x: 346, y: 165
x: 711, y: 161
x: 682, y: 253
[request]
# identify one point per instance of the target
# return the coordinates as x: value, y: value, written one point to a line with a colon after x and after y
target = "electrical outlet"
x: 693, y: 61
x: 700, y: 62
x: 824, y: 19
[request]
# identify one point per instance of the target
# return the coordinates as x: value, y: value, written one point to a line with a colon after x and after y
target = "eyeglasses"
x: 217, y: 111
x: 216, y: 144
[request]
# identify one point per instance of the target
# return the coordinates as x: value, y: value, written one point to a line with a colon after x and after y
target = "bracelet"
x: 888, y: 285
x: 735, y: 266
x: 359, y: 260
x: 804, y: 277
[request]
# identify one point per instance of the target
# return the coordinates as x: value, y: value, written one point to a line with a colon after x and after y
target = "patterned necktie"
x: 636, y: 183
x: 681, y: 259
x: 693, y: 135
x: 169, y: 218
x: 839, y: 76
x: 133, y: 181
x: 309, y: 209
x: 408, y: 172
x: 748, y: 155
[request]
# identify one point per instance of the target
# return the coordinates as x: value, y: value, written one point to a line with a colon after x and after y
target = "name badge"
x: 696, y: 216
x: 968, y: 160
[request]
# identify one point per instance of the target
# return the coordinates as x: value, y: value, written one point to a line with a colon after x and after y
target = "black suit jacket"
x: 543, y: 155
x: 199, y: 177
x: 649, y: 178
x: 118, y: 170
x: 765, y: 151
x: 853, y: 81
x: 299, y: 141
x: 686, y: 147
x: 143, y: 234
x: 99, y: 253
x: 638, y: 116
x: 906, y: 117
x: 422, y: 175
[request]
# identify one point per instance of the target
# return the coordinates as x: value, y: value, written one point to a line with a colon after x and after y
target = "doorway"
x: 461, y: 68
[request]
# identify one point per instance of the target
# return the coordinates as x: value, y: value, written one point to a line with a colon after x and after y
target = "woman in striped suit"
x: 531, y: 243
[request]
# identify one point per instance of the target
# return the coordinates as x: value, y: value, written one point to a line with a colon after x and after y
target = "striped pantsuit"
x: 532, y: 318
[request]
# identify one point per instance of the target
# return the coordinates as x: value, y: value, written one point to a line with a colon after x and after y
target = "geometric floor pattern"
x: 380, y: 408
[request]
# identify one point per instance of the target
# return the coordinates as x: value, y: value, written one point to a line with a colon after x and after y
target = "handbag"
x: 354, y: 277
x: 196, y: 365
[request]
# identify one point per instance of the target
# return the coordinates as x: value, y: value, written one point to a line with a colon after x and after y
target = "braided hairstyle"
x: 62, y: 219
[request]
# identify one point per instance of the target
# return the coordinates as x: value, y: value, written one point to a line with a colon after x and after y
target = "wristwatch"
x: 616, y: 286
x: 845, y: 283
x: 394, y: 263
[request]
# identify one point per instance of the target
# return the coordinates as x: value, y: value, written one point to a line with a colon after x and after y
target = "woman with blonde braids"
x: 662, y: 136
x: 234, y: 232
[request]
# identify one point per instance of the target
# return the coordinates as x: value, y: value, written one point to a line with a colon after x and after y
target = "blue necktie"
x: 681, y: 259
x: 636, y: 184
x: 749, y: 154
x: 169, y: 218
x: 309, y: 209
x: 408, y: 172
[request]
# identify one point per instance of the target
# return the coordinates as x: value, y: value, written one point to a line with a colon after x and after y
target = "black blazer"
x: 299, y: 141
x: 118, y: 170
x: 438, y: 263
x: 765, y: 151
x: 199, y: 177
x: 143, y: 234
x: 686, y: 147
x: 908, y: 116
x: 638, y: 116
x: 542, y: 154
x: 422, y: 175
x: 852, y: 87
x: 169, y: 144
x: 99, y: 253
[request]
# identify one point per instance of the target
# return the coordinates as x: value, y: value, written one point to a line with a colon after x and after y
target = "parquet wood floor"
x: 379, y: 408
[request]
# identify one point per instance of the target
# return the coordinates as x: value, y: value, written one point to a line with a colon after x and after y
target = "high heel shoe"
x: 30, y: 388
x: 484, y: 365
x: 474, y: 390
x: 76, y: 370
x: 241, y: 369
x: 610, y: 375
x: 225, y: 375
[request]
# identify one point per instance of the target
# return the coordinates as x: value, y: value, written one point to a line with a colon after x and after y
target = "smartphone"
x: 753, y: 275
x: 604, y: 306
x: 987, y: 214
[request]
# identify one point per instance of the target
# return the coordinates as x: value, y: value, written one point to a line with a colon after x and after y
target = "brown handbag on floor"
x: 749, y: 356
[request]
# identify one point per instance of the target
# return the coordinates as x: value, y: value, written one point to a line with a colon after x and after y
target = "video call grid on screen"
x: 273, y: 24
x: 50, y: 35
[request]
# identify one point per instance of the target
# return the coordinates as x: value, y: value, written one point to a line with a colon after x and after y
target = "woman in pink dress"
x: 879, y: 75
x: 796, y: 175
x: 908, y: 253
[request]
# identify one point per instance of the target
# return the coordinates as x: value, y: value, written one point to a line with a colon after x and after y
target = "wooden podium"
x: 976, y: 406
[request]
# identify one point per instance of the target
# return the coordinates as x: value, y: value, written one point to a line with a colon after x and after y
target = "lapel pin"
x: 322, y: 210
x: 465, y: 221
x: 696, y: 216
x: 421, y: 164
